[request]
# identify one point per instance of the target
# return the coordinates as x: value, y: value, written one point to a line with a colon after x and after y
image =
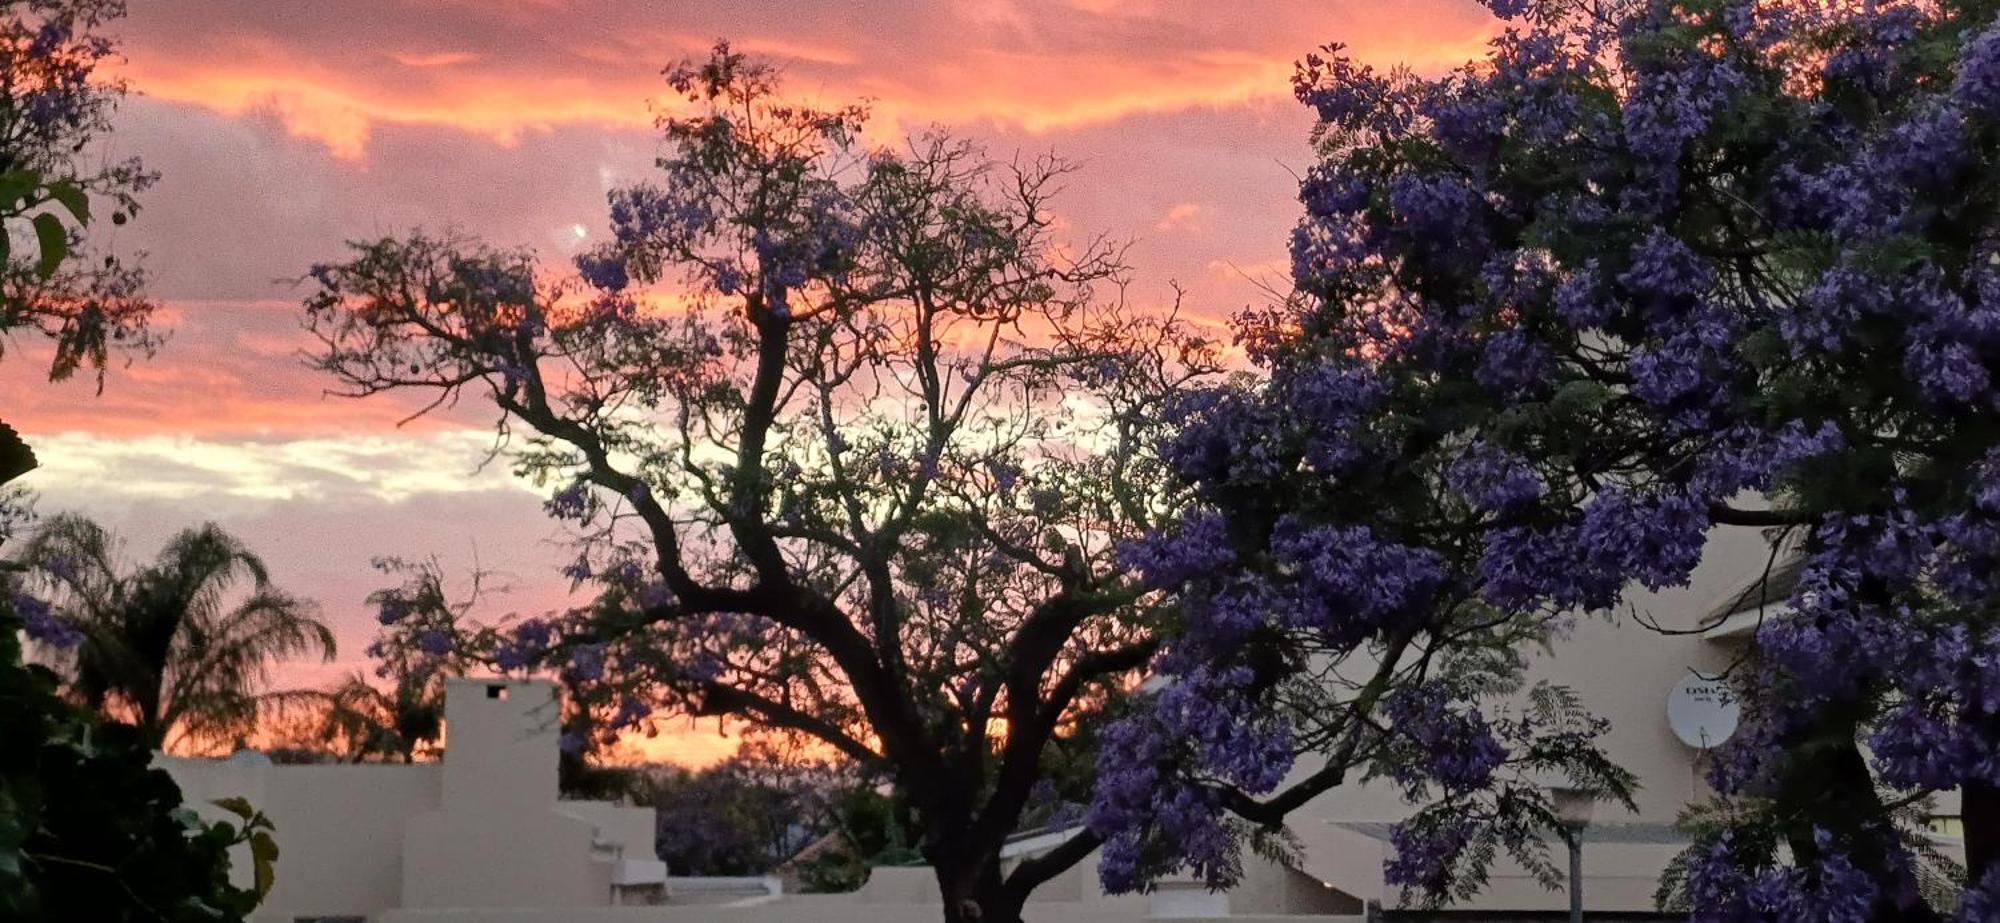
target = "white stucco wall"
x: 481, y: 830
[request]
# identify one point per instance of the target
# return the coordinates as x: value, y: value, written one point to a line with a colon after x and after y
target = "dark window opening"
x: 496, y: 691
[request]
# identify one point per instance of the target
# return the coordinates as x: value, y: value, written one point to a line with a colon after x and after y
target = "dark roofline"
x: 1768, y: 590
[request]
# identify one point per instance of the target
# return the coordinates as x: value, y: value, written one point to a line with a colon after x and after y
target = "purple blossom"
x: 1493, y: 479
x: 1423, y: 855
x: 1523, y: 567
x: 1138, y: 801
x: 1456, y: 747
x: 655, y: 595
x: 1673, y: 104
x: 1927, y: 150
x: 603, y: 269
x: 1656, y: 541
x: 587, y: 662
x: 1328, y: 195
x: 630, y: 712
x: 1515, y: 364
x: 434, y: 642
x: 571, y: 502
x: 1832, y: 307
x: 1005, y: 474
x: 1917, y: 745
x: 392, y: 609
x: 652, y: 216
x: 1977, y: 86
x: 42, y: 624
x: 1197, y: 547
x: 525, y: 645
x: 1722, y: 890
x: 1441, y: 214
x: 1350, y: 581
x: 1947, y: 372
x: 1579, y: 301
x: 1981, y: 903
x: 1330, y: 399
x: 1665, y: 275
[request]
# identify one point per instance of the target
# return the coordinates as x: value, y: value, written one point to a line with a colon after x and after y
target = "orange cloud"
x: 1186, y: 215
x: 342, y: 117
x: 433, y: 59
x: 1036, y: 66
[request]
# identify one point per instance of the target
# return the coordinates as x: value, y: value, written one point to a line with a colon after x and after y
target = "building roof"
x: 1765, y: 592
x: 1652, y: 834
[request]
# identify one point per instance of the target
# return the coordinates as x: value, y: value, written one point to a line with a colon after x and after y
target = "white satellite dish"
x: 1703, y: 711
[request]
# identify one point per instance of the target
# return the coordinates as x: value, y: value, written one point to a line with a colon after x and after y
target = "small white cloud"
x: 1186, y: 216
x: 184, y: 467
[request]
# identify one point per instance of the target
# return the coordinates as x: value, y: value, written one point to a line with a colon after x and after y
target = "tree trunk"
x: 1979, y: 809
x: 977, y: 894
x: 1835, y: 791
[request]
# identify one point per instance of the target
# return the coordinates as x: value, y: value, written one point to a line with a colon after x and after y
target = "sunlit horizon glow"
x: 282, y: 130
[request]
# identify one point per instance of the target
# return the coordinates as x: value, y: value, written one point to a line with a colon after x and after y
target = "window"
x: 496, y: 691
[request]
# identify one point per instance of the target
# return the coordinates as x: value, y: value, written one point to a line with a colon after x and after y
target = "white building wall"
x: 484, y: 829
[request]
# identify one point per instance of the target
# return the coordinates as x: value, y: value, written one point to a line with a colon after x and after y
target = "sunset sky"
x: 281, y: 129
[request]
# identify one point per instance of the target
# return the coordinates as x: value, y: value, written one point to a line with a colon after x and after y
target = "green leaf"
x: 237, y: 806
x: 54, y: 240
x: 1578, y: 397
x: 73, y: 199
x: 264, y: 858
x: 16, y: 458
x: 15, y: 186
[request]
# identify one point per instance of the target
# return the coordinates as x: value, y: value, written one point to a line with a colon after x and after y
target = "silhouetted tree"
x: 169, y: 646
x: 864, y: 486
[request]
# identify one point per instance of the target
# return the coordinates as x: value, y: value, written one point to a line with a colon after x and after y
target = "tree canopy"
x: 1647, y: 269
x: 849, y: 434
x: 54, y: 106
x: 172, y: 647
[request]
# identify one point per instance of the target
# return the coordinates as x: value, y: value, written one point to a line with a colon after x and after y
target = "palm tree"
x: 181, y: 647
x: 359, y: 721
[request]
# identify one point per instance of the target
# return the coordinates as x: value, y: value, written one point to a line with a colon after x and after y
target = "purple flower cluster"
x: 1330, y: 401
x: 524, y: 646
x: 1621, y: 274
x: 1585, y: 563
x: 1457, y: 748
x: 587, y: 662
x: 1977, y: 85
x: 43, y: 624
x: 571, y: 502
x: 1834, y: 890
x: 1493, y: 479
x: 1198, y: 546
x: 1154, y: 820
x: 392, y: 608
x: 434, y: 642
x: 1348, y: 581
x: 1440, y: 213
x: 1422, y: 855
x: 1223, y: 434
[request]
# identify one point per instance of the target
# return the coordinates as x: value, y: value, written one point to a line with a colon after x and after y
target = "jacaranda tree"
x: 54, y: 107
x: 849, y: 433
x: 1648, y: 269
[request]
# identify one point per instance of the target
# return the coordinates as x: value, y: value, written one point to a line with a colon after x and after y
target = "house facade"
x: 482, y: 837
x: 479, y: 831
